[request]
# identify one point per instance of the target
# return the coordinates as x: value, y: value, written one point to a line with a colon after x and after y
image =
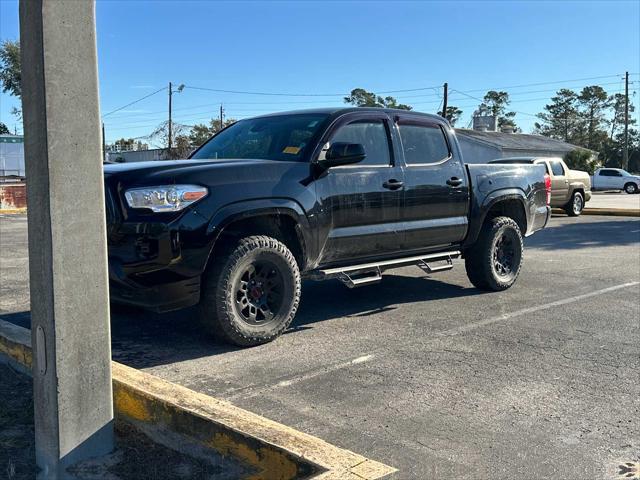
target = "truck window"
x: 423, y: 144
x: 557, y: 168
x: 610, y: 173
x: 542, y: 162
x: 372, y: 134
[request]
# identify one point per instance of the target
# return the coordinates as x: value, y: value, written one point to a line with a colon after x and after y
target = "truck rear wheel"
x: 575, y: 205
x: 494, y: 261
x: 250, y: 294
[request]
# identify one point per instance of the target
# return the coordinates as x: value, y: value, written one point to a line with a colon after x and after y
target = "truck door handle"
x: 454, y: 182
x: 393, y: 184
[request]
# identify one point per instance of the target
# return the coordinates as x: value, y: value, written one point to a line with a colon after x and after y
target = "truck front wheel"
x: 251, y: 292
x: 494, y: 261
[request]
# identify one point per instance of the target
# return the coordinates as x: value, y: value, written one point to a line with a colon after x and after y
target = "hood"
x: 173, y: 168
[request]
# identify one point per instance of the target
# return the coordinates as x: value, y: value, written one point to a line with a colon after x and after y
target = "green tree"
x: 581, y: 159
x: 10, y: 73
x: 495, y: 104
x: 201, y: 132
x: 617, y: 121
x: 4, y: 130
x: 362, y: 98
x: 10, y: 77
x: 561, y: 117
x: 594, y: 104
x: 453, y: 114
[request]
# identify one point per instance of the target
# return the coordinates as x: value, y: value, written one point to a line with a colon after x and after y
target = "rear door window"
x: 423, y: 144
x: 557, y: 168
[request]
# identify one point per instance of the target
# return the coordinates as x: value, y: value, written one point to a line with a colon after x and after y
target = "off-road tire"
x: 218, y: 308
x: 630, y: 188
x: 573, y: 209
x: 479, y: 259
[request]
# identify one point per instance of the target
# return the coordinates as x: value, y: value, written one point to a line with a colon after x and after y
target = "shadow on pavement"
x: 143, y: 339
x: 571, y: 236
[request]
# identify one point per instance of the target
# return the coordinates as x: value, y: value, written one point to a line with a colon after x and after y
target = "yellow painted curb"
x: 12, y: 211
x: 274, y: 450
x: 614, y: 212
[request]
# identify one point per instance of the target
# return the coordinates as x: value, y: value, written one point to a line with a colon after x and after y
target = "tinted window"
x: 372, y: 134
x: 557, y: 168
x: 281, y: 137
x: 610, y: 173
x: 423, y: 144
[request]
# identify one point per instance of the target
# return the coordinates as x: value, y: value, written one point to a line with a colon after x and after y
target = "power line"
x: 242, y: 92
x: 545, y: 83
x: 134, y: 102
x: 481, y: 101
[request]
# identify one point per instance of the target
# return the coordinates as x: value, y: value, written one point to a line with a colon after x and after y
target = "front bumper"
x: 160, y: 298
x: 156, y: 264
x: 587, y: 196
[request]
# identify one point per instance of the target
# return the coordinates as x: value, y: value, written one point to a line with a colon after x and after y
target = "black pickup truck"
x: 325, y: 193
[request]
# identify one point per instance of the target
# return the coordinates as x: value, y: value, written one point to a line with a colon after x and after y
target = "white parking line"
x: 507, y: 316
x: 252, y: 392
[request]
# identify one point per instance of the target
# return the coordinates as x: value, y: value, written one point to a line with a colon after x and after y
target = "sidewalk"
x: 614, y: 200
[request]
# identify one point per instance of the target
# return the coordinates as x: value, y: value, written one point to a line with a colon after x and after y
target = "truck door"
x: 436, y: 196
x: 361, y: 202
x: 559, y: 184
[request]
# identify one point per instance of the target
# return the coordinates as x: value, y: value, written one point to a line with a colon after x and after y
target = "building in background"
x: 13, y: 191
x: 11, y: 158
x: 480, y: 146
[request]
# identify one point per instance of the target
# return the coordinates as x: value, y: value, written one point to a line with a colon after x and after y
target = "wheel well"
x: 278, y: 226
x: 511, y: 208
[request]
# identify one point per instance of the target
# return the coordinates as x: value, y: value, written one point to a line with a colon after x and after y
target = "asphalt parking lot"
x: 428, y: 374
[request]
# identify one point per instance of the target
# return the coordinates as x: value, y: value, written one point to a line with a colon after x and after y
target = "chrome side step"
x: 369, y: 278
x: 369, y: 273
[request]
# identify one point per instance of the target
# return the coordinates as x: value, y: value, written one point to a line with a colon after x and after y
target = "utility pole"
x: 221, y: 116
x: 625, y: 148
x: 170, y: 92
x: 445, y: 99
x: 68, y: 276
x: 104, y: 146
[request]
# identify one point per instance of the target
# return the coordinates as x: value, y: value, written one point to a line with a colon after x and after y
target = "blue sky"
x: 331, y: 47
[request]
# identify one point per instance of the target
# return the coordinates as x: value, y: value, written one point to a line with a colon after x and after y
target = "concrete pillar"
x: 67, y: 236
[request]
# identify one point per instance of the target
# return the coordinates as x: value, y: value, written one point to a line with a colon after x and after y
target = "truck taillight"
x: 547, y: 187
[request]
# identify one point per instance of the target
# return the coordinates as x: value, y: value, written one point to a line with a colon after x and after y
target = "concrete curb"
x: 615, y: 212
x: 274, y: 450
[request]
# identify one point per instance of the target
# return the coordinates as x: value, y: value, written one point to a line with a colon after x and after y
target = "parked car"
x: 327, y: 193
x: 570, y: 189
x: 615, y: 179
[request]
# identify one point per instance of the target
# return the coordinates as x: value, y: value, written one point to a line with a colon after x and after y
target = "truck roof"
x: 336, y: 111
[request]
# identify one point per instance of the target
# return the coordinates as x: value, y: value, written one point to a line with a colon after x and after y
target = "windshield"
x: 281, y: 137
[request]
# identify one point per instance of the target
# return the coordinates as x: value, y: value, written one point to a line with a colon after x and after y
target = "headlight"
x: 165, y: 198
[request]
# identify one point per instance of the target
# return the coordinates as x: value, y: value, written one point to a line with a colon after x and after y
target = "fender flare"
x: 480, y: 211
x: 244, y: 209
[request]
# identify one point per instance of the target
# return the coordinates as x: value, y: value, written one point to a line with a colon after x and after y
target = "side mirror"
x: 341, y: 153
